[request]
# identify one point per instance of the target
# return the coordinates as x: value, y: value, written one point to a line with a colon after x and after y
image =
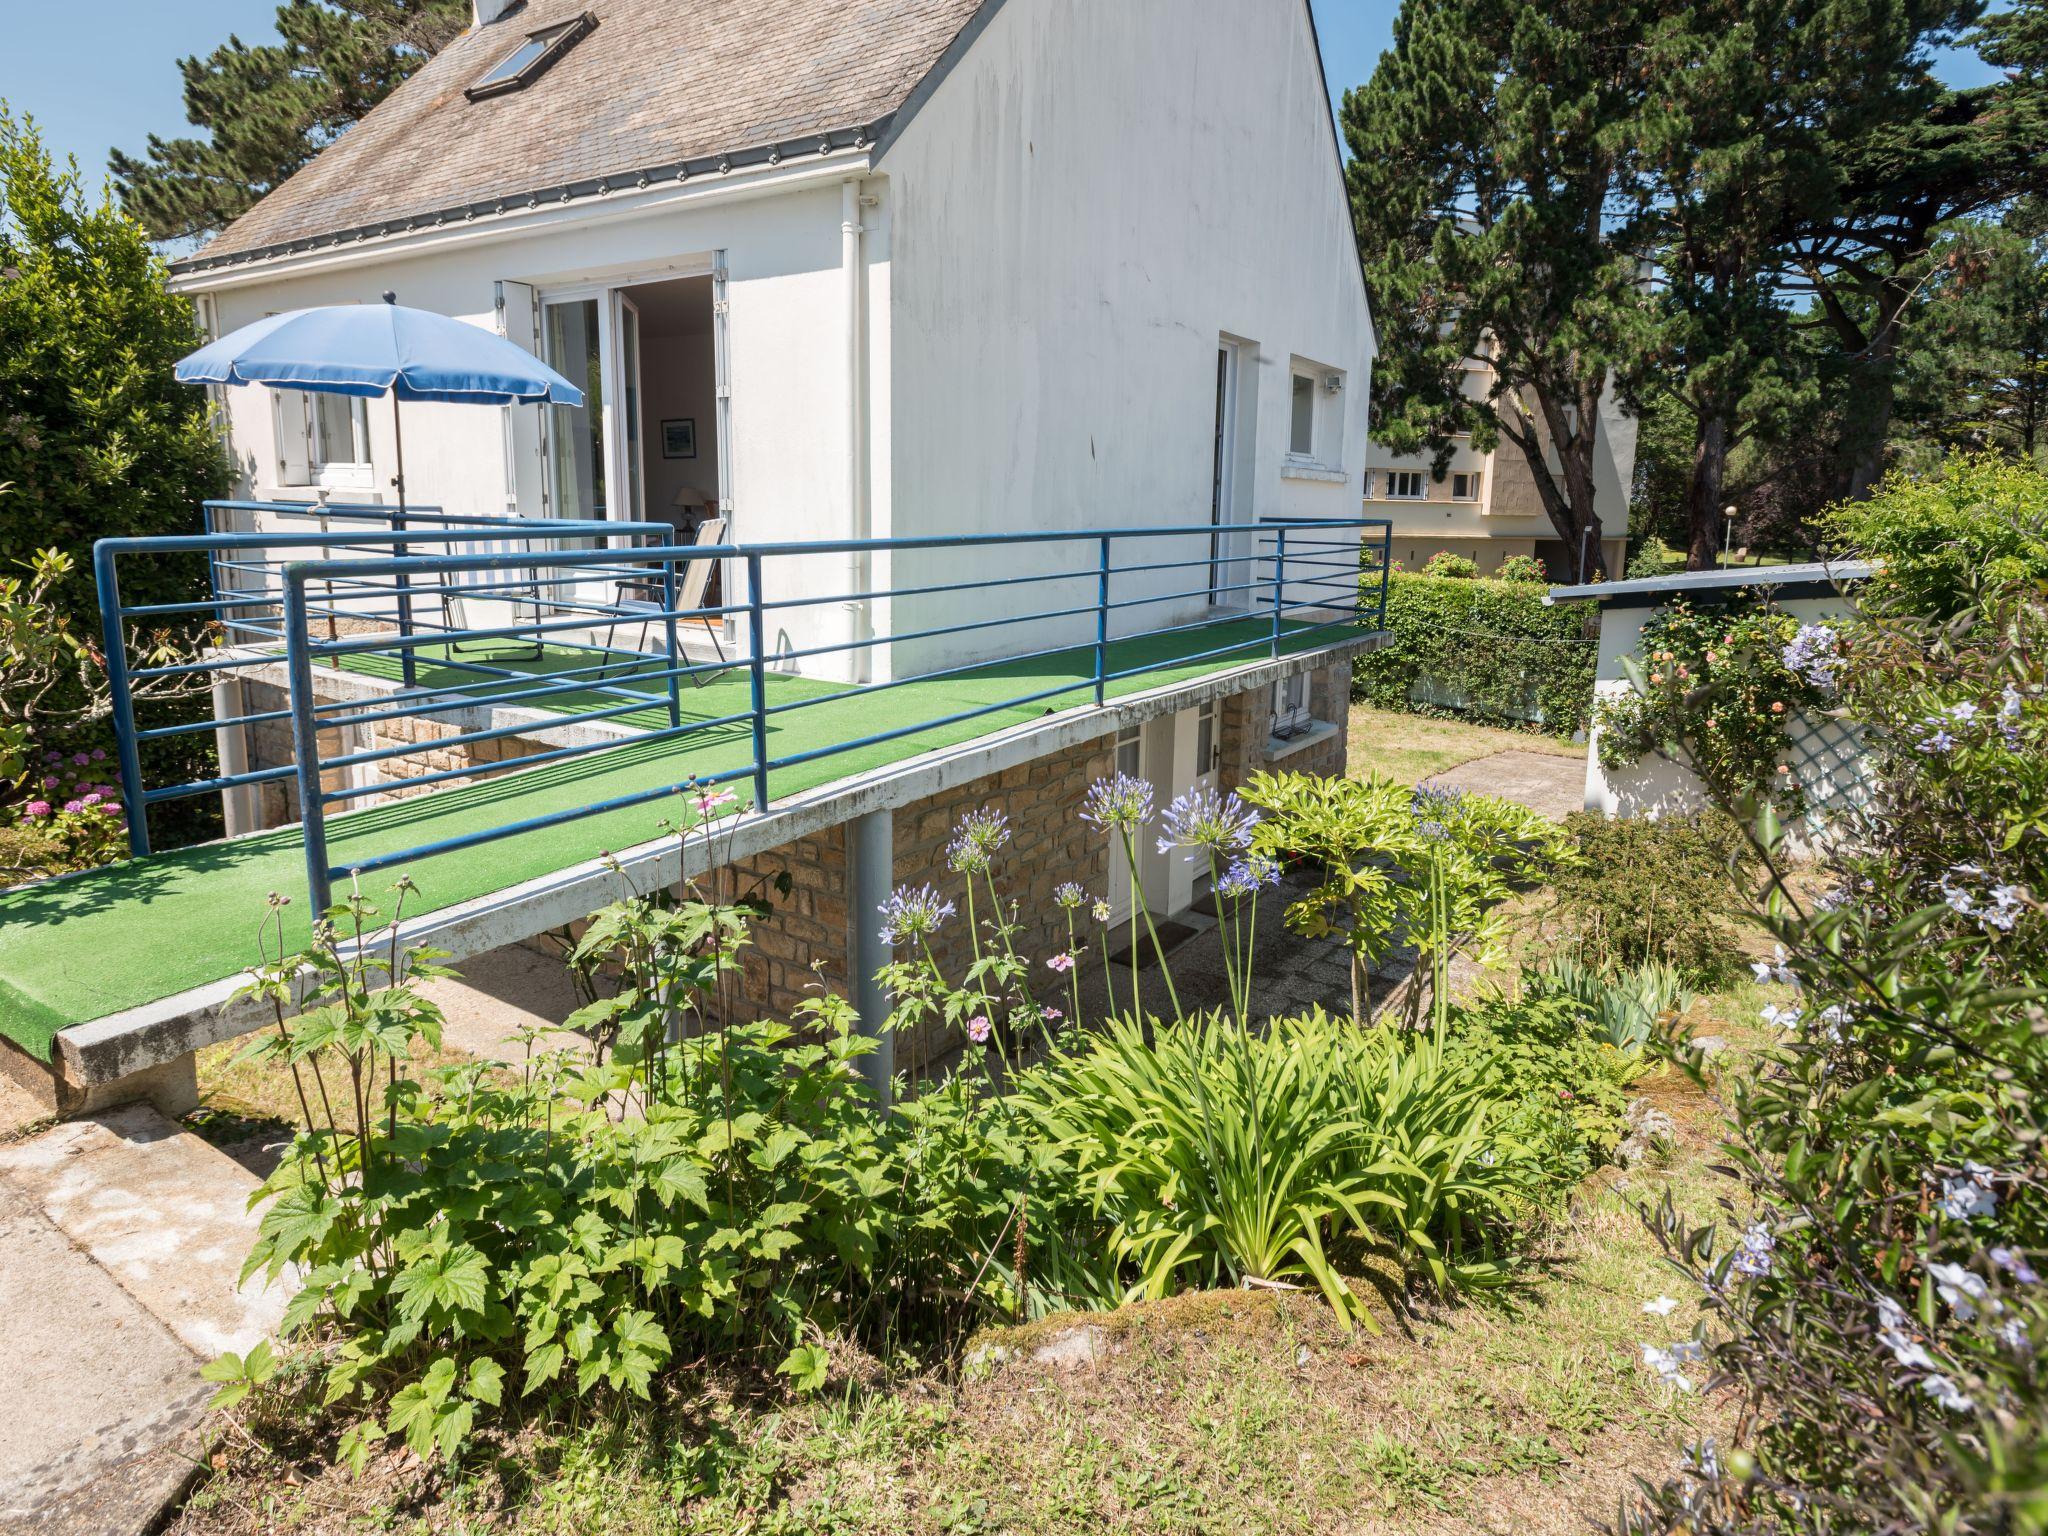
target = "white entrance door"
x: 1130, y: 759
x: 1194, y: 763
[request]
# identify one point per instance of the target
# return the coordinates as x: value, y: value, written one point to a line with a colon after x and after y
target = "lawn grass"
x: 1410, y: 748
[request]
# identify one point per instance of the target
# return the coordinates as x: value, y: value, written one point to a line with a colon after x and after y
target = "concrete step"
x: 124, y: 1236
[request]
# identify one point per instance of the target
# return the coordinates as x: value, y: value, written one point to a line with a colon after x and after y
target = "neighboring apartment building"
x: 1486, y: 506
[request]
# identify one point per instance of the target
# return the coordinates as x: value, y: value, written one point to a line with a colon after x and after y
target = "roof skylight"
x: 527, y: 62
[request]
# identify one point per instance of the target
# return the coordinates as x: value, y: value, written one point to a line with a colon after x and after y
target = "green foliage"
x: 1639, y: 891
x: 1398, y: 866
x: 1941, y: 537
x: 96, y: 436
x: 1884, y: 1308
x: 1563, y: 1090
x: 1490, y: 646
x: 1974, y: 364
x: 1446, y: 564
x: 1222, y: 1157
x: 268, y: 109
x: 1624, y: 1006
x: 1522, y: 568
x: 1727, y: 671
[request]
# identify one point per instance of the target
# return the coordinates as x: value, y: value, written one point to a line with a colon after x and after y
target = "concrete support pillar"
x: 242, y: 806
x: 871, y: 869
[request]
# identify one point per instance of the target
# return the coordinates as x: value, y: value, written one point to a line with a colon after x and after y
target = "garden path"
x: 1549, y: 785
x: 124, y: 1237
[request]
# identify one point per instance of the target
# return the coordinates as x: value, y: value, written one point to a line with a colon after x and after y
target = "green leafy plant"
x: 1625, y: 1006
x: 1734, y: 682
x: 1490, y: 650
x: 1522, y: 568
x: 1978, y: 522
x: 1638, y: 891
x: 1449, y: 566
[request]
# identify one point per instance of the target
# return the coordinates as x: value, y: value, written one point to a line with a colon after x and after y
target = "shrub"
x: 68, y: 818
x: 1221, y: 1157
x: 1397, y: 865
x: 1450, y: 566
x: 1745, y: 675
x: 1977, y: 522
x: 1882, y: 1315
x: 1624, y: 1007
x: 1487, y: 649
x: 97, y: 437
x: 1522, y: 568
x: 1565, y: 1089
x: 1639, y: 891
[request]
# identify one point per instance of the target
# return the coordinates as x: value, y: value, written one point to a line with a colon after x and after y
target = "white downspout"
x: 859, y: 525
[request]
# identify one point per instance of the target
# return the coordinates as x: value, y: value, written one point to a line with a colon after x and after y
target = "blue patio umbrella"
x: 368, y: 350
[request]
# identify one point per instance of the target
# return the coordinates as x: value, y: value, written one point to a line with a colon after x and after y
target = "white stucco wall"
x: 1094, y: 197
x: 1824, y: 757
x: 786, y: 315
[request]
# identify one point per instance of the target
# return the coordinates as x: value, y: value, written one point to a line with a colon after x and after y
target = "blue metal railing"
x: 1252, y: 592
x: 242, y: 608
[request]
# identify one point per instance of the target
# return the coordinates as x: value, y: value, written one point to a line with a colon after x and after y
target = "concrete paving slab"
x: 164, y: 1214
x: 500, y: 993
x: 105, y: 1404
x: 1551, y: 786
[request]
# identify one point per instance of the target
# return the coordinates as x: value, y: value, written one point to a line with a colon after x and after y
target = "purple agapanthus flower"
x: 1249, y: 874
x: 1120, y: 803
x: 1202, y: 821
x: 1937, y: 741
x: 976, y: 840
x: 913, y: 914
x: 1752, y: 1258
x: 1068, y: 896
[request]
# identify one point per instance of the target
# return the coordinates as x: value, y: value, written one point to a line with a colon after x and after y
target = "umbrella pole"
x: 407, y: 663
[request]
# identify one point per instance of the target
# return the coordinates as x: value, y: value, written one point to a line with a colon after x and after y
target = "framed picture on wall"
x: 679, y: 438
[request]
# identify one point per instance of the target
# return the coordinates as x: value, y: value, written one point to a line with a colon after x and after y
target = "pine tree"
x: 269, y: 108
x: 1489, y: 167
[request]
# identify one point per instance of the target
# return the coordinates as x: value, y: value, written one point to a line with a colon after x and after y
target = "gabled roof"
x: 658, y: 88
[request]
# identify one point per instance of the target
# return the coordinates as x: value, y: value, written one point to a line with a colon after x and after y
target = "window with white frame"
x: 1315, y: 416
x: 1464, y: 487
x: 1290, y: 706
x: 1404, y: 485
x: 322, y: 439
x: 1301, y: 422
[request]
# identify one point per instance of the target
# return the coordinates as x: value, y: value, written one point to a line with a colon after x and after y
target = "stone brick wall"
x: 270, y: 746
x: 1245, y: 723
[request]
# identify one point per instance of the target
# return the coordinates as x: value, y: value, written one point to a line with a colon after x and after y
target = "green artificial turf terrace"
x: 80, y: 948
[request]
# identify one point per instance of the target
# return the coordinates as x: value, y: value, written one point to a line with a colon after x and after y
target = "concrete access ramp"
x: 124, y: 1237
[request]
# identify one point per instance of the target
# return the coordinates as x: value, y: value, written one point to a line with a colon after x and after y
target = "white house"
x: 1486, y: 506
x: 869, y: 268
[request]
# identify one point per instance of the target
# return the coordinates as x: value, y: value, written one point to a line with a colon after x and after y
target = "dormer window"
x: 530, y: 60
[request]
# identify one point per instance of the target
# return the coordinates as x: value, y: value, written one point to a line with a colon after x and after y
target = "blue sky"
x: 100, y: 73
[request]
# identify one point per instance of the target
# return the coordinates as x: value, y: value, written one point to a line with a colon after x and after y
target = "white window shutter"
x: 526, y: 488
x: 292, y: 431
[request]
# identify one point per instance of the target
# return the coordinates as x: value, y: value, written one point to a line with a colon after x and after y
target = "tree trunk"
x: 1703, y: 495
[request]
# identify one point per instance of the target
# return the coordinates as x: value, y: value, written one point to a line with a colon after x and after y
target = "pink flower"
x: 1053, y: 1015
x: 53, y: 757
x: 49, y: 781
x: 978, y: 1028
x: 90, y: 800
x: 73, y: 807
x: 713, y: 799
x: 1061, y: 963
x: 81, y: 758
x: 99, y: 754
x: 36, y: 808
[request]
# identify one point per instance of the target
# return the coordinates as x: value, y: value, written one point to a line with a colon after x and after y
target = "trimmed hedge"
x: 1488, y: 650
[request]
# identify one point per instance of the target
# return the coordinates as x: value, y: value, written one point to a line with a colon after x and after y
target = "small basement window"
x: 530, y: 60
